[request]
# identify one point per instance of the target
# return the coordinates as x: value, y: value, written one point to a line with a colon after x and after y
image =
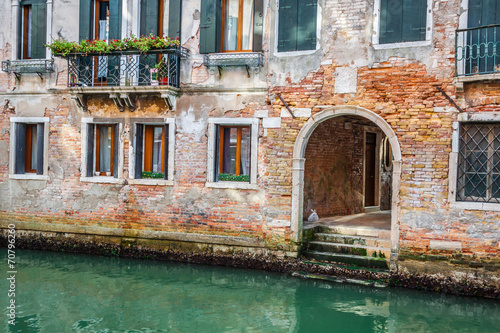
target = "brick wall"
x: 333, y: 174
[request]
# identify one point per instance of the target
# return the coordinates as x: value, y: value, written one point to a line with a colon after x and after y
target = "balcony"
x: 125, y: 69
x: 477, y: 53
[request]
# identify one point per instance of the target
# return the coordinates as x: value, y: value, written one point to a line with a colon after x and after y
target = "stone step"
x: 364, y: 261
x: 353, y: 240
x: 356, y: 231
x: 355, y: 249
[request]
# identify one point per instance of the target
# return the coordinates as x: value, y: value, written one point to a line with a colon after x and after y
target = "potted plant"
x: 162, y: 72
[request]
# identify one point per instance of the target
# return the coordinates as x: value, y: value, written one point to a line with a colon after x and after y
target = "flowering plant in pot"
x: 63, y: 47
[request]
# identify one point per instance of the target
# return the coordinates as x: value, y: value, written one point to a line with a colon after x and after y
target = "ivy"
x: 154, y: 175
x: 234, y: 178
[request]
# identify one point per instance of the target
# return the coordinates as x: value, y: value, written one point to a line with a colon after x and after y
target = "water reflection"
x: 76, y: 293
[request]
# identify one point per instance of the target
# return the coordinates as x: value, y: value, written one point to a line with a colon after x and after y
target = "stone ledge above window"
x: 232, y: 185
x: 28, y: 176
x: 151, y: 182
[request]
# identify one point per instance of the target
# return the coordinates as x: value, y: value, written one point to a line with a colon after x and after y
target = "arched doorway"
x: 348, y: 114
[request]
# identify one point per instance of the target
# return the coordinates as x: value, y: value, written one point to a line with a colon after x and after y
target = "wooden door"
x: 370, y: 162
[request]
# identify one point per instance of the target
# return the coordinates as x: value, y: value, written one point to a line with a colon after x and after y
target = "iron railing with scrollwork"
x: 477, y: 50
x: 126, y: 68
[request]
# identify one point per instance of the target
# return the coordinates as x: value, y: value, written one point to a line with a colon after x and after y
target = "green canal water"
x: 57, y: 292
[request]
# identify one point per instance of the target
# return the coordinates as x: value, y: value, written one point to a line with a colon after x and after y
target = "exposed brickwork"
x: 333, y: 176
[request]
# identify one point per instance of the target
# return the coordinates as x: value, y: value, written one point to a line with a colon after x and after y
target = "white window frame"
x: 171, y: 154
x: 254, y: 123
x: 101, y: 179
x: 453, y: 162
x: 12, y: 157
x: 376, y: 30
x: 299, y: 52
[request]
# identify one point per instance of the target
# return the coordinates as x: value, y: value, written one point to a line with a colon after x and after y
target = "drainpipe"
x: 15, y: 28
x: 48, y: 52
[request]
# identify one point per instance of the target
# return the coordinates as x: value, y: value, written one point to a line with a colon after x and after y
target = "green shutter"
x: 19, y: 163
x: 115, y: 19
x: 39, y: 148
x: 165, y: 149
x: 115, y: 152
x: 90, y: 149
x: 39, y: 30
x: 85, y: 20
x: 258, y: 21
x: 414, y: 20
x: 149, y: 17
x: 306, y: 31
x: 174, y: 18
x: 139, y: 139
x: 209, y: 36
x: 287, y: 25
x: 391, y: 20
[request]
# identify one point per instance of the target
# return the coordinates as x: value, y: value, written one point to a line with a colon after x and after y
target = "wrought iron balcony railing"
x: 38, y: 66
x: 126, y: 68
x: 477, y: 50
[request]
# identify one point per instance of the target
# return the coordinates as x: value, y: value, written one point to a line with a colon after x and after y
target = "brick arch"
x: 299, y: 162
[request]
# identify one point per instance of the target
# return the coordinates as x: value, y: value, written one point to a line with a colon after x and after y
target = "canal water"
x: 58, y: 292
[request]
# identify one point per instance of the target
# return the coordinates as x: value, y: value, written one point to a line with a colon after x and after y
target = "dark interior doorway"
x: 370, y: 168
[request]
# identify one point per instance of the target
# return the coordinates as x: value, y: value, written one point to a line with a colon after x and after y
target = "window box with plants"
x: 63, y: 48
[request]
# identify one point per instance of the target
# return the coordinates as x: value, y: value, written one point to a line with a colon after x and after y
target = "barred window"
x: 479, y: 163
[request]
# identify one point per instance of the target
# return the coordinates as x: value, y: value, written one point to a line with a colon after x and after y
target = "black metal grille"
x: 28, y: 66
x: 479, y: 163
x: 159, y: 67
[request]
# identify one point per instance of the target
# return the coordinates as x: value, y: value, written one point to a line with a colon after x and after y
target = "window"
x: 102, y: 146
x: 33, y: 29
x: 29, y: 153
x: 479, y: 163
x: 151, y: 151
x: 402, y: 21
x: 100, y: 19
x: 483, y: 39
x: 231, y: 26
x: 232, y: 153
x: 297, y: 25
x: 28, y: 142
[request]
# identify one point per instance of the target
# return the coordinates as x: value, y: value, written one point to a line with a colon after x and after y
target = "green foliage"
x: 144, y: 44
x: 154, y: 175
x: 234, y: 178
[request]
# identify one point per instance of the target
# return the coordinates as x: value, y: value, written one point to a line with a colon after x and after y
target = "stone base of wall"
x: 443, y: 276
x: 411, y: 274
x: 111, y: 241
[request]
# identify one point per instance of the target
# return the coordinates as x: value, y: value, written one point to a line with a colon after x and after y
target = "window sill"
x: 297, y: 53
x: 484, y: 206
x: 28, y: 176
x: 151, y: 182
x: 232, y: 185
x: 102, y: 179
x: 401, y: 45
